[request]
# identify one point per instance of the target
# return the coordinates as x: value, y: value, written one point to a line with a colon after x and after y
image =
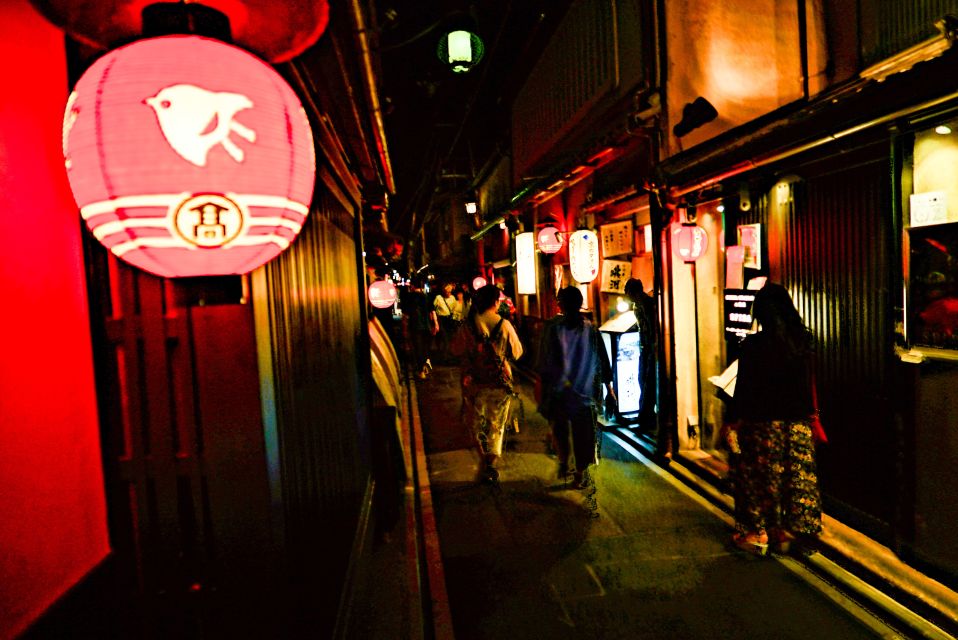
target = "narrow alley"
x: 643, y: 556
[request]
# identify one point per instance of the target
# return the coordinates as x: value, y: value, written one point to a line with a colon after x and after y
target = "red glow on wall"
x: 383, y: 294
x: 52, y: 505
x: 189, y: 157
x: 549, y: 239
x: 277, y: 31
x: 689, y: 242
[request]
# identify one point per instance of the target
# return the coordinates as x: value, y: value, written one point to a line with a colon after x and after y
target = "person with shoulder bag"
x: 572, y: 365
x: 773, y: 472
x: 484, y: 344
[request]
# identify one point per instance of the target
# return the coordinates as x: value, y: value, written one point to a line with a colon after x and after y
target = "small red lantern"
x: 689, y: 242
x: 278, y: 31
x: 549, y: 239
x: 383, y: 294
x: 189, y: 157
x: 478, y: 283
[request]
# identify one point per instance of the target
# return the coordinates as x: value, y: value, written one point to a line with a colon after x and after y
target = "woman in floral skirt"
x: 774, y: 478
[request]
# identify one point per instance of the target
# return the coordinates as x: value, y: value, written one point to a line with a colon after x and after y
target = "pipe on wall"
x: 369, y: 84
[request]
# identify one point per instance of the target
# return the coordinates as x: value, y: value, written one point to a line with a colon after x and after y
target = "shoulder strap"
x: 495, y: 329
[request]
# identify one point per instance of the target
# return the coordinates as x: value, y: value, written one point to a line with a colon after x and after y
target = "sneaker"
x: 489, y: 475
x: 582, y: 480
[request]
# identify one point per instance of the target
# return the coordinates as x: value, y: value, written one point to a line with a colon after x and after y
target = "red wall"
x: 52, y: 509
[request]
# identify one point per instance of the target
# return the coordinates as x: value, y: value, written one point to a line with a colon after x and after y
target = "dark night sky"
x: 439, y: 122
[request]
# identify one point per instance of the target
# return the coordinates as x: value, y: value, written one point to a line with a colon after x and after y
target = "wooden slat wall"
x: 313, y: 329
x: 828, y: 243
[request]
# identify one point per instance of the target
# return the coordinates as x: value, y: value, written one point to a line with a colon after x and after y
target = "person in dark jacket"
x: 572, y: 364
x: 774, y: 478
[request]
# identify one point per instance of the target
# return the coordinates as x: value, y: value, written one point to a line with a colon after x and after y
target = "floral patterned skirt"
x: 774, y: 480
x: 490, y: 411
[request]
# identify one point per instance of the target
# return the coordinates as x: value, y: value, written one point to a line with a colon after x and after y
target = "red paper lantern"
x: 277, y: 31
x: 189, y: 157
x: 479, y: 282
x: 383, y: 294
x: 689, y: 242
x: 549, y: 240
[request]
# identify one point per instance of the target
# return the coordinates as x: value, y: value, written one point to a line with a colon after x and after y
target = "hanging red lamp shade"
x: 383, y: 294
x: 188, y: 156
x: 277, y: 31
x: 689, y: 242
x: 549, y: 239
x: 478, y: 283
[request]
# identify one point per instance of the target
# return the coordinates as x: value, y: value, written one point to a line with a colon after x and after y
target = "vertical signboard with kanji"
x: 616, y: 238
x: 615, y: 273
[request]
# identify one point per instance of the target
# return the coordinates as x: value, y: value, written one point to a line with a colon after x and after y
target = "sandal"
x: 782, y: 541
x: 754, y: 543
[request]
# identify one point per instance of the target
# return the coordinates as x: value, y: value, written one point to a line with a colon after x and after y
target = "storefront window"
x: 933, y: 239
x: 934, y: 286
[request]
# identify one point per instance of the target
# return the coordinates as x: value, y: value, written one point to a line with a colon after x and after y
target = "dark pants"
x: 577, y: 421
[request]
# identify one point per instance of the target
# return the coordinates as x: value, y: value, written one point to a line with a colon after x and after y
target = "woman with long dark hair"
x: 774, y: 477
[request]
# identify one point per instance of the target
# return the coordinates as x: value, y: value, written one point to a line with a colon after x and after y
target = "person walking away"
x: 572, y: 365
x: 450, y: 315
x: 485, y: 343
x: 420, y: 325
x: 775, y: 484
x: 643, y: 306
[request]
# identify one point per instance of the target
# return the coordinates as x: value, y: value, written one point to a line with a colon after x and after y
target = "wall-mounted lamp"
x: 694, y: 114
x: 471, y: 207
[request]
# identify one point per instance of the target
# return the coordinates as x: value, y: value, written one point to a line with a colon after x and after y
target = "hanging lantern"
x: 689, y: 242
x: 277, y: 31
x: 189, y: 157
x: 383, y: 294
x: 549, y: 239
x: 584, y: 255
x: 461, y: 49
x: 478, y: 283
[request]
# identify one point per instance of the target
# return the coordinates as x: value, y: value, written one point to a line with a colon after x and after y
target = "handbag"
x: 818, y: 431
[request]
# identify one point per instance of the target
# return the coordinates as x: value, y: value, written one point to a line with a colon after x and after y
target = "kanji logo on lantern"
x: 188, y: 156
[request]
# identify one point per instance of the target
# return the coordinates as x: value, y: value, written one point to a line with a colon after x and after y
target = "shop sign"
x: 615, y: 273
x: 929, y: 208
x: 188, y: 157
x: 738, y: 312
x: 616, y: 238
x: 750, y: 239
x: 383, y: 294
x: 584, y: 255
x: 734, y: 263
x: 526, y: 263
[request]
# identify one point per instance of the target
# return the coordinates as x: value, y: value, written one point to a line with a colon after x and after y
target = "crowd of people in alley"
x: 772, y: 429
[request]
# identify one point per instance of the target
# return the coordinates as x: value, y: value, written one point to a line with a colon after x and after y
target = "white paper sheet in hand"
x: 726, y: 380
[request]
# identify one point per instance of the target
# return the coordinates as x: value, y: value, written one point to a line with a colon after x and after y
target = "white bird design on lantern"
x: 194, y: 120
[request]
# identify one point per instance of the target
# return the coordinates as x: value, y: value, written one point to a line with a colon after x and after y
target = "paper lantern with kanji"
x: 584, y: 255
x: 188, y: 156
x: 689, y: 242
x: 383, y: 294
x: 549, y: 240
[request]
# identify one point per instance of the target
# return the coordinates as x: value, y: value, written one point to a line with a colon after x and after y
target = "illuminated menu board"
x: 738, y: 312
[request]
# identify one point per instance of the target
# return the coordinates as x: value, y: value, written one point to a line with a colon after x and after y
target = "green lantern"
x: 461, y: 50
